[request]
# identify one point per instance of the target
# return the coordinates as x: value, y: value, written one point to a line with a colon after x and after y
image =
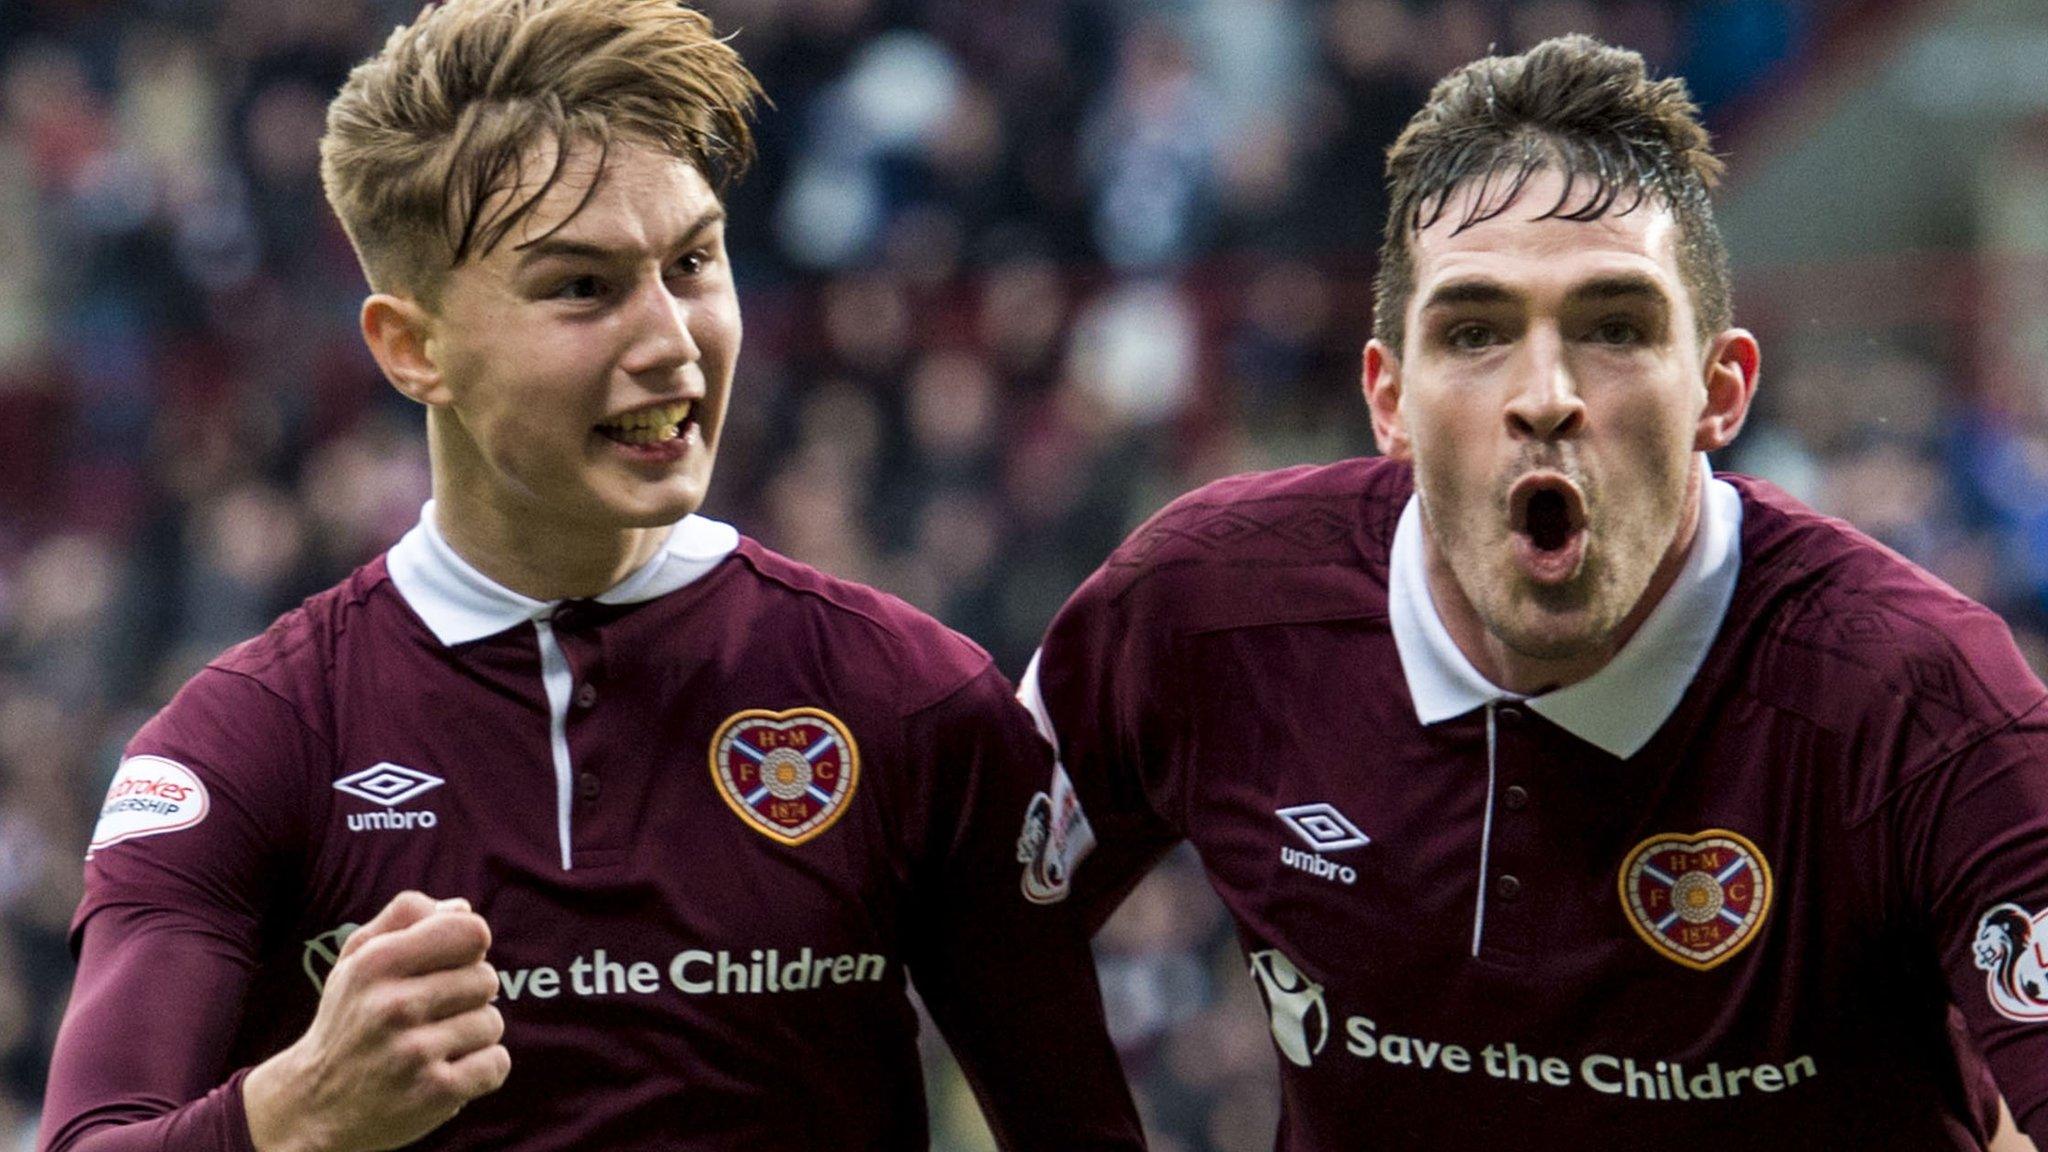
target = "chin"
x: 649, y: 509
x: 1552, y: 646
x: 1544, y: 634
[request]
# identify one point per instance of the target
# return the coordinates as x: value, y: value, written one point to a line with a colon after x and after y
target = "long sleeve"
x: 1009, y: 981
x: 143, y: 1052
x: 1100, y: 691
x: 1976, y: 832
x: 193, y: 842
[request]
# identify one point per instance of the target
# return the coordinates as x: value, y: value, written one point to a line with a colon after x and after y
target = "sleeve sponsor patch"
x: 1055, y: 837
x: 2009, y: 950
x: 149, y: 796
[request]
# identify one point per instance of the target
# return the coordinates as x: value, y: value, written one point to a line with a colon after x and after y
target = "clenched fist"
x: 405, y: 1035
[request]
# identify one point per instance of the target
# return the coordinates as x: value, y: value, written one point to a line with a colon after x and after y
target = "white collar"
x: 1622, y: 705
x: 461, y: 604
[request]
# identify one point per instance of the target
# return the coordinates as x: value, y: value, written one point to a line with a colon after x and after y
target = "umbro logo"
x: 390, y: 785
x: 1323, y: 829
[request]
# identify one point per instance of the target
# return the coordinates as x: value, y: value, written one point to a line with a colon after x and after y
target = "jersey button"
x: 1516, y: 797
x: 1509, y: 715
x: 1507, y: 887
x: 586, y: 696
x: 588, y: 786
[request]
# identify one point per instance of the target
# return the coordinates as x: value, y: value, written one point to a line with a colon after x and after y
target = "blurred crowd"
x: 1014, y: 274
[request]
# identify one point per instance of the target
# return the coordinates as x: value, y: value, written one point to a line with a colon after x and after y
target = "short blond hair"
x: 427, y: 144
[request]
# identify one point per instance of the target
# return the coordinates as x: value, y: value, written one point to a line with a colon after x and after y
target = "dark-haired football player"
x: 1567, y: 795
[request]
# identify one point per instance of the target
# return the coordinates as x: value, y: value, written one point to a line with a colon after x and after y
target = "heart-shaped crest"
x: 787, y: 774
x: 1696, y: 899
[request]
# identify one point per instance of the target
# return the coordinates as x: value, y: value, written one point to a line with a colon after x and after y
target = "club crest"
x: 1696, y: 899
x: 787, y: 774
x: 2009, y: 948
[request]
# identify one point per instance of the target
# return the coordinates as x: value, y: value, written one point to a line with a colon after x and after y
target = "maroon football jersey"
x: 1800, y: 912
x: 714, y: 819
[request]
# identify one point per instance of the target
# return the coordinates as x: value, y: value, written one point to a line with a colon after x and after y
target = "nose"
x: 1546, y: 405
x: 661, y: 342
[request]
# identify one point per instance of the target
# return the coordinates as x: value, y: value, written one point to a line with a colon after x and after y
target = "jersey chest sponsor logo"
x: 2012, y: 949
x: 690, y: 972
x: 695, y: 972
x: 1323, y: 829
x: 1303, y: 1022
x: 787, y: 775
x: 149, y: 796
x: 1298, y: 1011
x: 1697, y: 899
x: 322, y: 952
x: 389, y: 785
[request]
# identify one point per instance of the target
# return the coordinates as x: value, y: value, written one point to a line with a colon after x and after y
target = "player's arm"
x: 141, y: 1058
x: 199, y: 822
x: 1009, y: 981
x: 1975, y: 840
x: 1103, y: 691
x: 203, y: 821
x: 404, y: 1036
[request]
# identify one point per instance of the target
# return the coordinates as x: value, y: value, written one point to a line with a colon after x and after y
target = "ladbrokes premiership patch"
x: 149, y: 796
x: 1696, y: 899
x: 1056, y: 835
x: 787, y: 774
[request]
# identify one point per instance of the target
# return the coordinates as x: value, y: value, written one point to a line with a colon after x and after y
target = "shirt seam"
x: 1914, y: 774
x: 987, y: 666
x: 1184, y: 737
x: 1914, y: 778
x: 290, y: 705
x: 903, y: 645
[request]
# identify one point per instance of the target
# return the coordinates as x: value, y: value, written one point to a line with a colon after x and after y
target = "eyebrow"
x: 1624, y: 286
x: 558, y: 247
x: 1467, y: 292
x: 1628, y: 285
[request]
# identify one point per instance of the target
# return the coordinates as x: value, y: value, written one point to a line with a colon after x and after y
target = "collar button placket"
x: 1514, y: 922
x: 558, y: 682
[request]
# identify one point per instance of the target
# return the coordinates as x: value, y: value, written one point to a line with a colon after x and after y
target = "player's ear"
x: 399, y: 331
x: 1381, y: 381
x: 1731, y: 369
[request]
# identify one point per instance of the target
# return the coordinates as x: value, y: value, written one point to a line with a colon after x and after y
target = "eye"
x: 693, y: 264
x: 1472, y: 337
x: 580, y: 288
x: 1618, y: 331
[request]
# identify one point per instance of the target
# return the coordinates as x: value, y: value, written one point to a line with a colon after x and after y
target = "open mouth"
x: 1547, y: 514
x: 649, y: 427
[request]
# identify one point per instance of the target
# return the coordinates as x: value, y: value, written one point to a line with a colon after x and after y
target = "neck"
x: 1527, y: 675
x: 525, y: 547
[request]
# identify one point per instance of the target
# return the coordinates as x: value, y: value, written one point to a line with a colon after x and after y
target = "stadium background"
x: 1014, y: 274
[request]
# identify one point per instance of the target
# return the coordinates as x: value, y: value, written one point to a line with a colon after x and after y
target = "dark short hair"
x: 1572, y: 105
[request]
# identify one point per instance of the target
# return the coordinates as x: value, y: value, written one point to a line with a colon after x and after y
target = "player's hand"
x: 405, y: 1035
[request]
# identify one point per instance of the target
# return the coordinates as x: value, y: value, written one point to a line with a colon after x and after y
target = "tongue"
x: 1550, y: 526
